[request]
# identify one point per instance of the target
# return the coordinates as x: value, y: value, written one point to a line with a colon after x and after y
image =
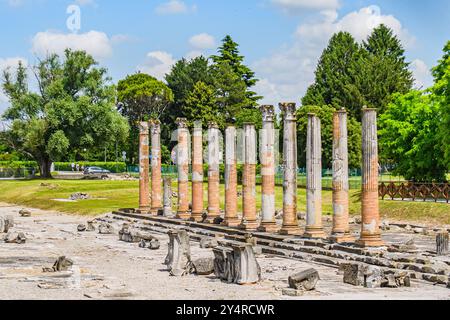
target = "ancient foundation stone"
x: 442, y: 243
x: 178, y: 258
x: 25, y: 213
x: 105, y: 228
x: 81, y: 227
x: 15, y: 237
x: 305, y: 280
x: 203, y: 266
x: 127, y: 234
x: 90, y: 226
x: 62, y: 264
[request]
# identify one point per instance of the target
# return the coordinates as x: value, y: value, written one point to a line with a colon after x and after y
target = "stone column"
x: 144, y: 179
x: 370, y: 231
x: 341, y: 229
x: 290, y: 220
x: 183, y: 169
x: 197, y: 173
x: 267, y: 156
x: 249, y: 179
x: 314, y: 227
x: 213, y: 172
x: 155, y: 129
x: 231, y: 217
x: 168, y: 197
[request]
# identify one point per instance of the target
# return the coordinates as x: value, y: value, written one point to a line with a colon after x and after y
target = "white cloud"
x: 157, y: 64
x: 94, y: 42
x: 174, y: 7
x: 296, y: 5
x: 15, y: 3
x: 202, y: 41
x: 422, y: 74
x: 286, y: 74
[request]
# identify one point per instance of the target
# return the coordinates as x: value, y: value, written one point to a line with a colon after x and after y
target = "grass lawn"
x: 112, y: 195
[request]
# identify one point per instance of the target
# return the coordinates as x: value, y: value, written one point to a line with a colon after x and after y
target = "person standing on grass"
x: 73, y: 166
x: 78, y: 167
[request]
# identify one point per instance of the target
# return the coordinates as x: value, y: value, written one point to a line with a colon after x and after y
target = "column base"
x: 211, y: 217
x: 233, y: 223
x: 157, y: 211
x: 342, y: 238
x: 269, y: 227
x: 143, y: 210
x: 197, y: 217
x: 370, y: 241
x: 290, y: 231
x: 314, y: 233
x: 184, y: 215
x: 249, y: 226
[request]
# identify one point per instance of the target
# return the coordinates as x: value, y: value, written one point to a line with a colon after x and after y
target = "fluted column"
x: 155, y: 130
x: 197, y: 172
x: 144, y: 179
x: 341, y: 229
x: 183, y: 169
x: 267, y: 156
x: 314, y: 226
x: 213, y: 172
x: 290, y: 220
x: 231, y: 218
x: 370, y: 231
x: 249, y: 179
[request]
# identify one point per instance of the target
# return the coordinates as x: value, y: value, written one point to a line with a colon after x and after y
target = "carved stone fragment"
x: 305, y: 280
x: 178, y: 258
x: 203, y: 266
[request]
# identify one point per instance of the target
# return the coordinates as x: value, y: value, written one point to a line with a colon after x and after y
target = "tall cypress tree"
x: 335, y: 75
x: 229, y: 54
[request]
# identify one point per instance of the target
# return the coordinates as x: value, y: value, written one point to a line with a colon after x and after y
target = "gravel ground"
x: 105, y: 268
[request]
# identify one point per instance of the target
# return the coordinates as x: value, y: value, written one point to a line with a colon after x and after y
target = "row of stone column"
x: 370, y: 233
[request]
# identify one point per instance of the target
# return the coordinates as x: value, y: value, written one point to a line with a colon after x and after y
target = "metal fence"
x: 17, y: 173
x: 407, y: 191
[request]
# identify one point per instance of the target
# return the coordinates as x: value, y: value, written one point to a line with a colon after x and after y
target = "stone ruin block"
x: 207, y: 243
x: 442, y: 243
x: 15, y: 237
x: 81, y: 227
x: 25, y: 213
x: 127, y: 234
x: 237, y: 264
x: 178, y: 259
x: 90, y: 226
x: 373, y: 277
x: 153, y: 244
x: 305, y: 280
x: 61, y: 264
x: 6, y: 223
x: 203, y: 266
x: 105, y: 228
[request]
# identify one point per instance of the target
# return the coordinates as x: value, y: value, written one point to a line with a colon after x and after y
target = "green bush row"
x: 116, y: 167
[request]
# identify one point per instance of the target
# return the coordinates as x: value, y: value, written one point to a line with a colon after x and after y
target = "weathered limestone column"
x: 290, y: 220
x: 267, y: 157
x: 231, y: 217
x: 197, y: 173
x: 168, y: 197
x: 314, y: 227
x: 213, y: 172
x: 341, y: 229
x: 183, y: 169
x: 249, y: 179
x: 155, y: 129
x: 144, y: 179
x: 370, y: 231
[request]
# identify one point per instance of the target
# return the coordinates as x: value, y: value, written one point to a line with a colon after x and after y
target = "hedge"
x: 116, y: 167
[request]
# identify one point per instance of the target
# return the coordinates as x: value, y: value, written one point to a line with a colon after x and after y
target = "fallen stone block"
x: 178, y: 259
x: 305, y: 280
x: 373, y: 277
x: 25, y: 213
x: 129, y: 235
x: 353, y: 274
x: 90, y: 226
x: 203, y: 266
x: 207, y: 243
x: 242, y: 264
x: 81, y: 227
x: 152, y: 244
x: 105, y: 228
x: 62, y: 264
x: 223, y: 268
x: 79, y: 196
x: 407, y: 247
x: 15, y: 237
x: 6, y: 223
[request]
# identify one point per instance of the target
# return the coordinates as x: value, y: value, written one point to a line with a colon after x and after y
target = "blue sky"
x: 281, y: 39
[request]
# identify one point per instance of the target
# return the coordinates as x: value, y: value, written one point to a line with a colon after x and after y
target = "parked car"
x: 97, y: 171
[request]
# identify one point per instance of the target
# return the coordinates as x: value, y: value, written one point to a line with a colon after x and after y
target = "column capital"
x: 268, y: 113
x: 213, y: 125
x: 143, y: 127
x: 289, y: 109
x: 342, y: 110
x: 155, y: 126
x: 366, y: 109
x: 182, y: 123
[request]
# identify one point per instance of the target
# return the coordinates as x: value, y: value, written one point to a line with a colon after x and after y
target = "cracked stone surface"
x: 106, y: 268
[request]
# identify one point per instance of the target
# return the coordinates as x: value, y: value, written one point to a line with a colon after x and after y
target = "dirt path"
x: 105, y: 268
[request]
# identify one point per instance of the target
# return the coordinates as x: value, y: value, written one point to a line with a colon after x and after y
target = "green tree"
x: 334, y: 83
x: 73, y: 109
x: 201, y: 105
x: 441, y: 92
x: 325, y: 113
x: 384, y: 70
x: 229, y: 54
x: 410, y: 137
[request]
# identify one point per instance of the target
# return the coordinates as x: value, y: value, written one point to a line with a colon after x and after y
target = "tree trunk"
x: 44, y: 168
